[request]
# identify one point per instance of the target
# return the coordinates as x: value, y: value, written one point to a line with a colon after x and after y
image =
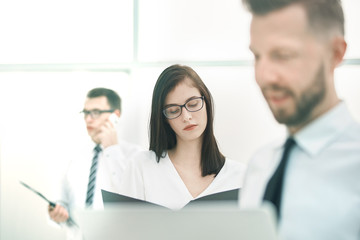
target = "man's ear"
x: 338, y: 48
x: 117, y: 112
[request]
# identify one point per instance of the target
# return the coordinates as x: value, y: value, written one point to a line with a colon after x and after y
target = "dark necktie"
x: 92, y: 177
x: 274, y: 187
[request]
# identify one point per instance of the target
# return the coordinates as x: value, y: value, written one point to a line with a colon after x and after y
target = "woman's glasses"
x: 192, y: 105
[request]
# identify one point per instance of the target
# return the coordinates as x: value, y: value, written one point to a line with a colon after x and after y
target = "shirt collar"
x: 322, y: 131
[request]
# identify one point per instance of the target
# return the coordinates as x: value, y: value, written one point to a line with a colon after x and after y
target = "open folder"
x: 229, y: 197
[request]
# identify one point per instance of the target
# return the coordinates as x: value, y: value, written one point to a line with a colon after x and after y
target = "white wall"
x: 40, y: 124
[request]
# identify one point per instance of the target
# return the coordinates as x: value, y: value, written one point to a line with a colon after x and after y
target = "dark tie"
x: 275, y: 184
x: 92, y: 177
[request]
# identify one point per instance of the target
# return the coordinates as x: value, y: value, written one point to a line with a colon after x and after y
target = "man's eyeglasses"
x: 192, y: 105
x: 94, y: 114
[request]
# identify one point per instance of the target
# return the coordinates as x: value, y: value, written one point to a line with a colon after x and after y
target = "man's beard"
x: 304, y: 104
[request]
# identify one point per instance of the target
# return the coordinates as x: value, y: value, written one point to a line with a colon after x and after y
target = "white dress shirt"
x: 321, y: 191
x: 112, y: 162
x: 160, y: 183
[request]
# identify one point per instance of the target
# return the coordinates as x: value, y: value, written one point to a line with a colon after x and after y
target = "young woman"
x: 184, y: 161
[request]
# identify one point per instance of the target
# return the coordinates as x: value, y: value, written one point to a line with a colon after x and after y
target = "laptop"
x: 135, y: 222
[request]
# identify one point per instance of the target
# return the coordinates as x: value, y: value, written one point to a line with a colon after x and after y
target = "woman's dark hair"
x: 163, y: 138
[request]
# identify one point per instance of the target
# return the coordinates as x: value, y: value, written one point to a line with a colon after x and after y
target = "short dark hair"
x: 112, y: 97
x: 163, y: 138
x: 323, y: 15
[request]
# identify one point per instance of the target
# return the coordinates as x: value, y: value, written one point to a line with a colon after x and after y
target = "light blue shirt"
x: 321, y: 192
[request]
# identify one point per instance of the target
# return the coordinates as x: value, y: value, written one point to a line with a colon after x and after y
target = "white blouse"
x: 160, y: 183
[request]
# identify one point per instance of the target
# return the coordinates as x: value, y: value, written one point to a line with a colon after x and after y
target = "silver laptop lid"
x: 131, y: 222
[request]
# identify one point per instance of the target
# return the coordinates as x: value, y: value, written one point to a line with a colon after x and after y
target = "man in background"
x: 313, y: 179
x: 103, y: 168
